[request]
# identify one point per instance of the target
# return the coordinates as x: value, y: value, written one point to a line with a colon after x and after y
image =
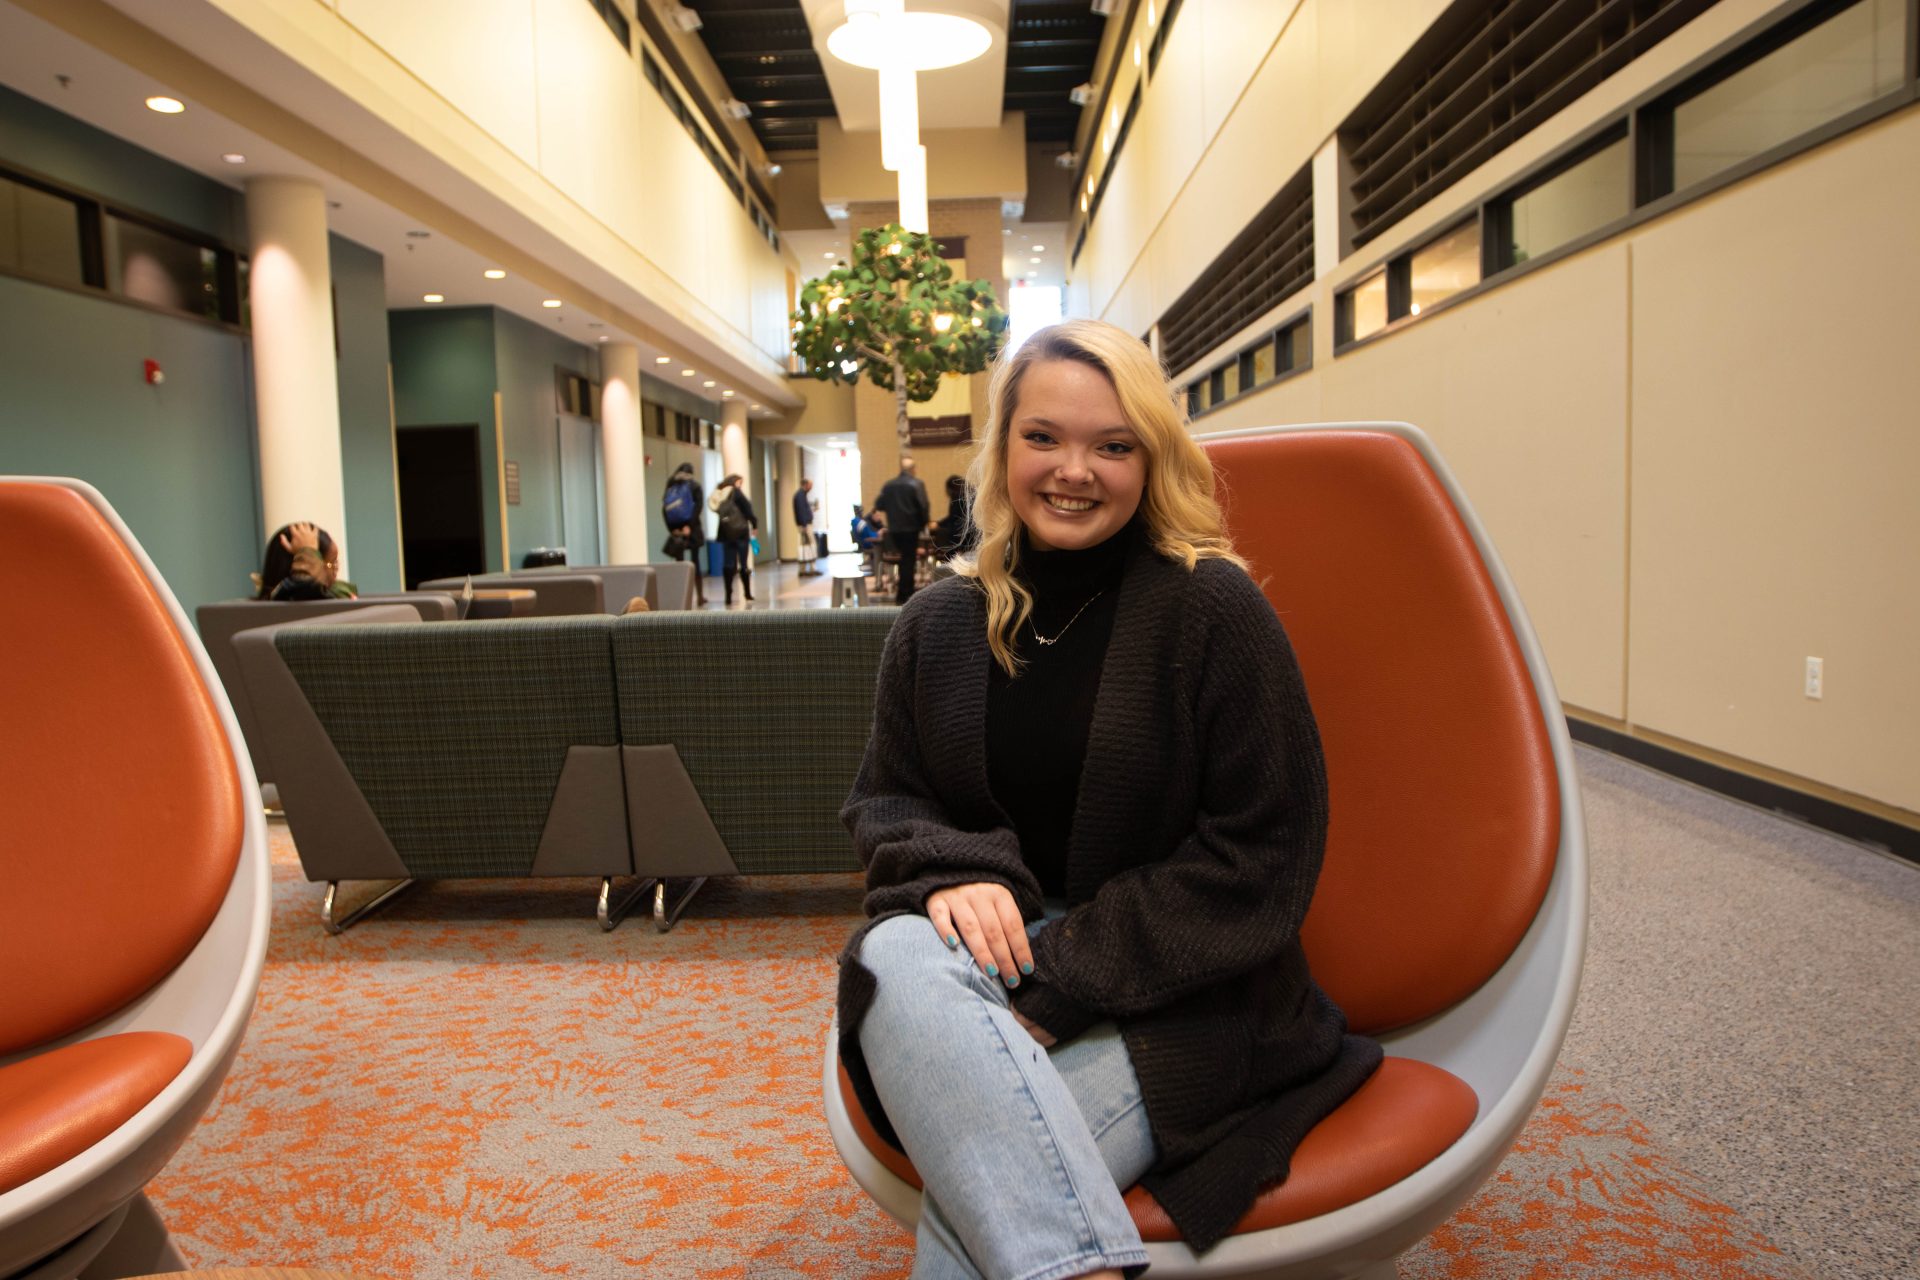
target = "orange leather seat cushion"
x: 124, y: 819
x: 1405, y: 1115
x: 1445, y: 808
x: 57, y: 1104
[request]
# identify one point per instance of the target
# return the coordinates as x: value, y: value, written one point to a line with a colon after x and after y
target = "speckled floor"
x: 1752, y: 993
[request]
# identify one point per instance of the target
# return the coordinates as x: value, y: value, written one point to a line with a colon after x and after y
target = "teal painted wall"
x: 55, y: 145
x: 176, y: 461
x: 443, y: 375
x: 525, y: 357
x: 372, y: 534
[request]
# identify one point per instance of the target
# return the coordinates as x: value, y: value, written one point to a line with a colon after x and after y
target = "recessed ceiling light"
x: 1032, y: 274
x: 603, y: 337
x: 1006, y: 231
x: 753, y: 406
x: 709, y: 383
x: 433, y: 297
x: 1038, y: 248
x: 1033, y: 259
x: 725, y: 394
x: 166, y: 106
x: 234, y: 157
x: 494, y: 273
x: 828, y: 255
x: 549, y: 303
x: 686, y: 373
x: 663, y: 359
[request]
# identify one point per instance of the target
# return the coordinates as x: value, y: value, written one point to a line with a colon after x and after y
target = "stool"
x: 849, y: 589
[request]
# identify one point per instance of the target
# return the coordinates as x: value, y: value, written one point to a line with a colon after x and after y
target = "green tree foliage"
x: 898, y: 317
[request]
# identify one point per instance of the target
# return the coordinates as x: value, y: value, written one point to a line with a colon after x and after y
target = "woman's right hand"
x: 984, y: 918
x: 301, y: 534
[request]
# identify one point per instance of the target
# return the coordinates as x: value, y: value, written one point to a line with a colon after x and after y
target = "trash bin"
x: 544, y: 558
x: 716, y: 560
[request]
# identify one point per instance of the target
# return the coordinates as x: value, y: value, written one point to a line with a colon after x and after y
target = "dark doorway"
x: 443, y: 528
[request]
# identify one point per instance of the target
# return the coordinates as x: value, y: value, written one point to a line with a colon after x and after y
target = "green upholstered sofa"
x: 670, y: 745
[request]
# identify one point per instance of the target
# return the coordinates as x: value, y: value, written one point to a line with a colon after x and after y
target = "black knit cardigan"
x: 1197, y: 838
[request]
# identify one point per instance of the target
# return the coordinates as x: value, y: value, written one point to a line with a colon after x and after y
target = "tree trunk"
x: 900, y: 404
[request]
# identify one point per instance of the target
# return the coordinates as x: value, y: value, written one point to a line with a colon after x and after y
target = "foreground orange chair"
x: 135, y: 887
x: 1450, y: 919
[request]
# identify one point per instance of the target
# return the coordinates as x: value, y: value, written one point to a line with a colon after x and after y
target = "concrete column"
x: 624, y: 450
x: 786, y: 466
x: 734, y: 454
x: 296, y: 384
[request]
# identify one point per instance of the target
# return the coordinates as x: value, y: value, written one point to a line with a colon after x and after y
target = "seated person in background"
x: 866, y: 535
x: 302, y: 563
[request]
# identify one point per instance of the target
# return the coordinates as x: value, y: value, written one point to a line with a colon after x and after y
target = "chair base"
x: 343, y: 923
x: 610, y: 914
x: 130, y: 1241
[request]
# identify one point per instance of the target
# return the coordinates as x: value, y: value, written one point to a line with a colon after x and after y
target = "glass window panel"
x: 1196, y: 397
x: 1369, y: 305
x: 39, y: 233
x: 1446, y: 266
x: 1568, y: 205
x: 1261, y: 358
x: 1295, y: 353
x: 154, y: 266
x: 1846, y: 62
x: 1229, y: 376
x: 1216, y: 386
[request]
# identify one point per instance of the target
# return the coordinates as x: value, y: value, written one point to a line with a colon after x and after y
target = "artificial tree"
x: 898, y: 316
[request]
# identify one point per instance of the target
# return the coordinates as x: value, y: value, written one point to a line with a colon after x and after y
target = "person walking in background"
x: 738, y: 524
x: 803, y: 524
x: 302, y: 563
x: 686, y: 528
x: 903, y: 501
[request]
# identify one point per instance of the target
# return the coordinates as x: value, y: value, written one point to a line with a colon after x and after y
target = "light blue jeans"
x: 1023, y: 1151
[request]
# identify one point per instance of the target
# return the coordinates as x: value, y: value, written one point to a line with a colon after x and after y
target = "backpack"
x: 733, y: 521
x: 678, y: 507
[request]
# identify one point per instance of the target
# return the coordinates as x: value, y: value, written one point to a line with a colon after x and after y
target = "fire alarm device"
x: 155, y: 374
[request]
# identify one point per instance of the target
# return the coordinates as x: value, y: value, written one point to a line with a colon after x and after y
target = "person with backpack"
x: 686, y: 530
x: 738, y: 524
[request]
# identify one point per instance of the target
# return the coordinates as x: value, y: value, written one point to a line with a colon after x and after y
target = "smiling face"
x: 1075, y: 470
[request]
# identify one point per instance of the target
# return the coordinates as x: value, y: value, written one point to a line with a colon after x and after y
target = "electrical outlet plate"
x: 1816, y: 677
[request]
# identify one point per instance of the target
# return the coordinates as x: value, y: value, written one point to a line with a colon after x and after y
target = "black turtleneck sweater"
x: 1037, y: 724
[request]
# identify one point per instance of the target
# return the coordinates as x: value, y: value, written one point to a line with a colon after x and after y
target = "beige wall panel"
x: 589, y: 113
x: 1357, y: 43
x: 476, y: 54
x: 1773, y: 467
x: 1524, y: 389
x: 1235, y: 37
x: 672, y: 226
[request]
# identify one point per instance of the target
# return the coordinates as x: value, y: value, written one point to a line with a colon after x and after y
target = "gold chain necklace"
x: 1070, y: 621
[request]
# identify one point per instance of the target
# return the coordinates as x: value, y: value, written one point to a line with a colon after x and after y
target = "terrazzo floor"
x: 1752, y: 993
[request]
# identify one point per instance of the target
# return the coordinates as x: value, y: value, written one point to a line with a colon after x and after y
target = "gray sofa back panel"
x: 457, y: 735
x: 556, y: 595
x: 770, y: 714
x: 675, y: 584
x: 220, y: 621
x: 620, y: 582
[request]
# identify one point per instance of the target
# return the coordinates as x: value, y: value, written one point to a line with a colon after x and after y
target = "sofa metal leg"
x: 347, y: 921
x: 663, y: 919
x: 610, y: 914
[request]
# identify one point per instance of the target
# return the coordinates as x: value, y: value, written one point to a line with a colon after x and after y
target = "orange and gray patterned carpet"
x: 478, y: 1083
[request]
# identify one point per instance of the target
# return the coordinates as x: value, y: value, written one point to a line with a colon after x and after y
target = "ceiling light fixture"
x: 726, y: 394
x: 234, y: 157
x: 166, y: 106
x: 494, y: 273
x: 550, y: 303
x: 708, y: 383
x: 736, y: 108
x: 684, y: 18
x: 433, y: 297
x: 663, y: 359
x: 686, y: 373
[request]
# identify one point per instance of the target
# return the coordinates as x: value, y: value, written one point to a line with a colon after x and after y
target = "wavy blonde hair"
x: 1178, y: 505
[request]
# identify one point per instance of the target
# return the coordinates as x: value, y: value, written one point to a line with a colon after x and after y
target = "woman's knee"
x: 904, y: 947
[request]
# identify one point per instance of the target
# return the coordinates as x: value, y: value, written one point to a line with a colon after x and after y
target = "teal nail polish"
x: 1013, y: 980
x: 952, y: 942
x: 1027, y: 967
x: 993, y: 971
